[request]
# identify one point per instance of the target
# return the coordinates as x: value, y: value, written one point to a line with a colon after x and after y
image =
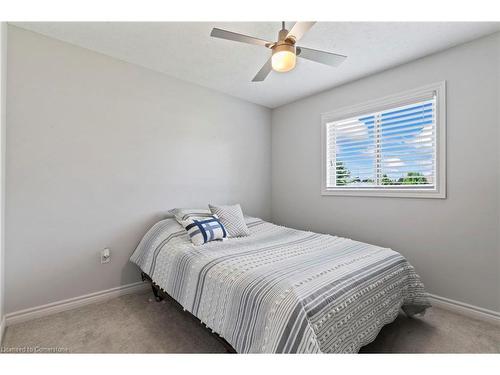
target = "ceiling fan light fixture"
x: 284, y: 52
x: 284, y: 58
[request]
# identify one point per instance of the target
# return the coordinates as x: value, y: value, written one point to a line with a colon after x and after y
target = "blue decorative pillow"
x: 204, y: 229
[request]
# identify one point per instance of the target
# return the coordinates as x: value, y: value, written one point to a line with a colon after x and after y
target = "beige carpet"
x: 137, y: 324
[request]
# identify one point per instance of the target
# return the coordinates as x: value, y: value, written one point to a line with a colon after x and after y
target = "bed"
x: 282, y: 290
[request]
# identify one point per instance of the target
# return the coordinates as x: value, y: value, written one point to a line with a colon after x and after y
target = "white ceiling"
x: 186, y: 51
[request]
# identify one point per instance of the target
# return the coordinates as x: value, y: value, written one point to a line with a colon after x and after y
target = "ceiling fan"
x: 284, y: 51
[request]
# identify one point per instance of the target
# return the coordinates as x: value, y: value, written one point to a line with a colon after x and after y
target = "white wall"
x: 98, y: 150
x: 453, y: 243
x: 3, y: 81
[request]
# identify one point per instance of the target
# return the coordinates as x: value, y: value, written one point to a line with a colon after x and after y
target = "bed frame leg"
x: 156, y: 289
x: 156, y: 292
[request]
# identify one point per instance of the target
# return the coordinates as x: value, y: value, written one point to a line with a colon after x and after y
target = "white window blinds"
x: 393, y: 148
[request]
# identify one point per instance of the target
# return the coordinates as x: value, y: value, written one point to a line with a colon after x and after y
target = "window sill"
x: 387, y: 193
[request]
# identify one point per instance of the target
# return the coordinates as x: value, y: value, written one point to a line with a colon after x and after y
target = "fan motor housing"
x: 284, y: 45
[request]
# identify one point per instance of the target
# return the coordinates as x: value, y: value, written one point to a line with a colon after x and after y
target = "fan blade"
x: 263, y: 72
x: 229, y: 35
x: 322, y: 57
x: 299, y: 29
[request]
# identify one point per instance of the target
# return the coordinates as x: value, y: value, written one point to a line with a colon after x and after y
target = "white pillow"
x: 232, y: 218
x: 181, y: 214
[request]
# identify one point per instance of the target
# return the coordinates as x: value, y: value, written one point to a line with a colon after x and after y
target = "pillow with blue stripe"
x: 204, y: 229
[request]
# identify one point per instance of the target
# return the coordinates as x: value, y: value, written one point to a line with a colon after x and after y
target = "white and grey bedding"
x: 282, y: 290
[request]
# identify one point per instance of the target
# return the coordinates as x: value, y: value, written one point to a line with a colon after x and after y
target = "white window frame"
x: 404, y: 98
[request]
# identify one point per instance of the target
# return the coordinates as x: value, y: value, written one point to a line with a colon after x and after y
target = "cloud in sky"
x: 352, y: 129
x: 423, y: 138
x: 393, y: 162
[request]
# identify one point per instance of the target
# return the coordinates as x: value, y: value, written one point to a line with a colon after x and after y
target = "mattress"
x: 282, y: 290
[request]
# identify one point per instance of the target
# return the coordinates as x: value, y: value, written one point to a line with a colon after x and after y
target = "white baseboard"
x: 72, y: 303
x: 462, y: 308
x: 2, y: 329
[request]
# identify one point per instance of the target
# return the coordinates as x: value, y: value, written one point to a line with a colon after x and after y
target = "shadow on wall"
x: 130, y: 271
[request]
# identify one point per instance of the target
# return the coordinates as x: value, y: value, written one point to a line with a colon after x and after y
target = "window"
x: 390, y: 147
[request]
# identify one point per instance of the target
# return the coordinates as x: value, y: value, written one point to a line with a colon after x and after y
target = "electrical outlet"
x: 105, y: 256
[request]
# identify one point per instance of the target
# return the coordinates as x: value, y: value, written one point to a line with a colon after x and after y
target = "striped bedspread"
x: 282, y: 290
